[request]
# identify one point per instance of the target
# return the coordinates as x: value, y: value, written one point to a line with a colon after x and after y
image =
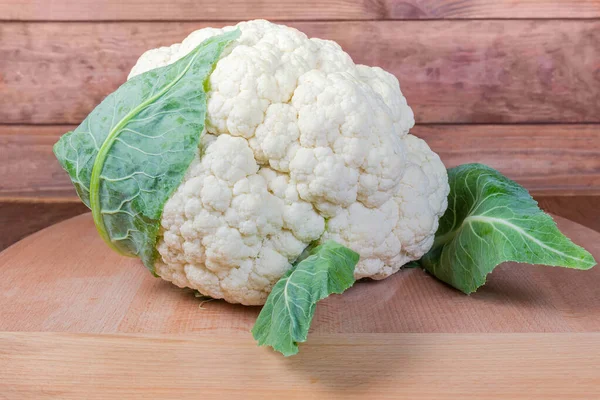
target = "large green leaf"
x: 490, y: 220
x: 132, y: 151
x: 286, y: 316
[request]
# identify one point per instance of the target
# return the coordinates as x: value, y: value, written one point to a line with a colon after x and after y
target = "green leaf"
x: 491, y: 219
x: 286, y: 316
x: 130, y: 154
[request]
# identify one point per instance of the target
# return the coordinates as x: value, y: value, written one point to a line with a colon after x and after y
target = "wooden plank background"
x: 450, y: 71
x: 511, y: 83
x: 286, y: 10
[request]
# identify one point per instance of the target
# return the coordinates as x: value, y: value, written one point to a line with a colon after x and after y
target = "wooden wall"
x: 514, y: 84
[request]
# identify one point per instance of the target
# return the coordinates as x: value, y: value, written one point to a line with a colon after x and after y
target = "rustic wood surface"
x: 212, y: 10
x: 19, y: 219
x: 514, y: 65
x: 546, y: 159
x: 500, y: 71
x: 354, y: 366
x: 496, y: 62
x: 65, y: 279
x: 584, y: 210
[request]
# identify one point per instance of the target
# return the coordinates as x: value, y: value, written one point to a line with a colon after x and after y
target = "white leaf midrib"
x: 107, y: 144
x: 493, y: 220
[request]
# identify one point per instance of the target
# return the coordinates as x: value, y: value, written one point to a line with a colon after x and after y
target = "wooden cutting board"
x: 78, y: 321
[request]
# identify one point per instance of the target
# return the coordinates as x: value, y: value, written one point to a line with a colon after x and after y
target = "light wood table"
x: 79, y: 322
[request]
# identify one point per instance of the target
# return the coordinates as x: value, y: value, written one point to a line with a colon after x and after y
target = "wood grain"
x: 584, y: 210
x: 214, y: 10
x: 546, y: 159
x: 19, y: 219
x: 65, y: 279
x: 451, y: 71
x: 356, y: 366
x: 28, y: 166
x: 531, y: 333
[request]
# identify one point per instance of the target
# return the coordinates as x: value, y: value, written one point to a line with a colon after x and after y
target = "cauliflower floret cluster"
x: 301, y: 145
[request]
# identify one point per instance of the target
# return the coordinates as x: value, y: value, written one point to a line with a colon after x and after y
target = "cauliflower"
x: 301, y: 145
x: 259, y: 166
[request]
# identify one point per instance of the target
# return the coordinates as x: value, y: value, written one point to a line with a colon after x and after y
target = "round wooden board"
x: 65, y: 278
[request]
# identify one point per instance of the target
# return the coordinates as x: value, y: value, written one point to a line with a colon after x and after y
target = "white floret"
x: 301, y: 145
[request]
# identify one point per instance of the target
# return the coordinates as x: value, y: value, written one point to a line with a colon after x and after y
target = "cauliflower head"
x: 301, y: 145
